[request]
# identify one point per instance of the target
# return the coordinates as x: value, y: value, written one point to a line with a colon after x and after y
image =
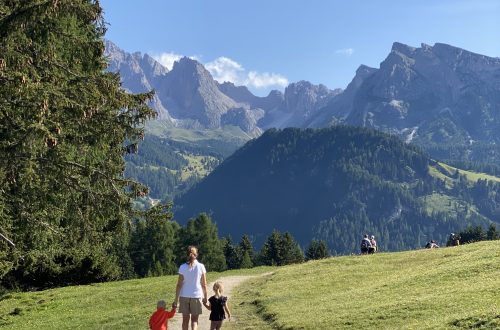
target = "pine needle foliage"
x: 65, y: 206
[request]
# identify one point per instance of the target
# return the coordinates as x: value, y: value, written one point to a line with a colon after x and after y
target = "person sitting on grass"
x: 373, y: 248
x: 454, y: 240
x: 431, y: 245
x: 365, y: 244
x: 218, y: 307
x: 159, y: 319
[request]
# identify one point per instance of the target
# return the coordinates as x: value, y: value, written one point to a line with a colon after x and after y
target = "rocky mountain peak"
x: 402, y: 48
x: 303, y: 97
x: 418, y: 89
x: 237, y: 93
x: 190, y: 66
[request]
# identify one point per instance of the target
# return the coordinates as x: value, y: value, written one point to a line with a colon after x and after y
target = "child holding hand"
x: 218, y: 307
x: 159, y: 319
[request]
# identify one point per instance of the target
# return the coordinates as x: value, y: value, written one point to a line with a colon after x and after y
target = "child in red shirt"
x: 159, y: 319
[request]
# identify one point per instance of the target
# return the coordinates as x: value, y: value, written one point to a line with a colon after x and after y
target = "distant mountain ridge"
x: 440, y: 97
x: 188, y: 96
x: 431, y: 95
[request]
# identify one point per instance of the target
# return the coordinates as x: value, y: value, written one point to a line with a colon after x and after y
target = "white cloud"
x: 168, y: 59
x: 265, y: 80
x: 345, y: 51
x: 225, y: 69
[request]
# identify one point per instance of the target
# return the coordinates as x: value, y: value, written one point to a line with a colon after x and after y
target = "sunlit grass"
x: 445, y: 288
x: 195, y: 166
x: 470, y: 175
x: 113, y: 305
x: 449, y: 205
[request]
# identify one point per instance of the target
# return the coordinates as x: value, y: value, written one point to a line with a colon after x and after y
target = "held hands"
x: 205, y: 300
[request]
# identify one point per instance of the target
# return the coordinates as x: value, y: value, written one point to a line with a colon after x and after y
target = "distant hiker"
x: 431, y: 245
x: 191, y: 288
x: 365, y: 244
x: 373, y: 247
x: 218, y: 307
x: 453, y: 240
x: 159, y: 319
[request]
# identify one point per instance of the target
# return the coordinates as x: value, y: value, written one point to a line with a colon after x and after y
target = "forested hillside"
x: 170, y: 160
x: 336, y: 184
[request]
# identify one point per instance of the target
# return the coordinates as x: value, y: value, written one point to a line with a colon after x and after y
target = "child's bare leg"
x: 215, y: 325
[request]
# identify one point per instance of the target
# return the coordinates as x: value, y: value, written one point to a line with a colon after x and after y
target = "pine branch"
x: 6, y: 239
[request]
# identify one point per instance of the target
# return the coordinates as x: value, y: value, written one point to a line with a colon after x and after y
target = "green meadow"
x: 113, y: 305
x: 445, y: 172
x: 446, y: 288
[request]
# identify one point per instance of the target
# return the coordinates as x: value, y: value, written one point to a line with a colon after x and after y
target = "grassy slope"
x: 470, y: 175
x: 426, y: 289
x: 220, y: 141
x: 448, y: 288
x: 195, y: 166
x: 166, y: 130
x: 450, y: 205
x: 114, y: 305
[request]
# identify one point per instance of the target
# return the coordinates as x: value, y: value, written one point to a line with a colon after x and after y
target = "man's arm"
x: 180, y: 280
x: 204, y: 287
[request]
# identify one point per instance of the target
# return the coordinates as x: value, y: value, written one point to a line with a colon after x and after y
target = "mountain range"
x: 189, y: 97
x: 443, y: 98
x: 435, y: 96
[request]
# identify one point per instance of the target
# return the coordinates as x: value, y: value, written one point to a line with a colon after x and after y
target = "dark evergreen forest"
x: 335, y: 184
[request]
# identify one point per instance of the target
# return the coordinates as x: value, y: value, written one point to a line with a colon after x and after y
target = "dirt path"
x: 230, y: 282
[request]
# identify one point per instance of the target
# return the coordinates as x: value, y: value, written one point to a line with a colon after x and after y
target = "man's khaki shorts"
x: 190, y: 306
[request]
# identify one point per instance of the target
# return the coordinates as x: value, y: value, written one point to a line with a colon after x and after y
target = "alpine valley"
x: 425, y: 163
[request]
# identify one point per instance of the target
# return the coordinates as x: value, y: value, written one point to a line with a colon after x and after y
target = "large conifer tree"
x: 64, y: 203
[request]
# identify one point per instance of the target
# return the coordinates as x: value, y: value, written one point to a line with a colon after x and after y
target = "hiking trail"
x: 230, y: 282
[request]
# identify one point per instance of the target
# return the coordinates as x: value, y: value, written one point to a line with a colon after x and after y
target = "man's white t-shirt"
x: 191, y: 287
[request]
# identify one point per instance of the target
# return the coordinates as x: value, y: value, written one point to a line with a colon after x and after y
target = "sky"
x: 267, y: 44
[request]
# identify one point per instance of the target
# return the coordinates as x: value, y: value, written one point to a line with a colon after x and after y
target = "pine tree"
x: 317, y: 250
x: 472, y: 234
x: 202, y: 233
x: 231, y: 253
x: 153, y: 243
x: 271, y: 253
x: 492, y: 233
x: 292, y: 251
x: 65, y: 204
x: 280, y: 249
x: 246, y: 248
x: 246, y: 261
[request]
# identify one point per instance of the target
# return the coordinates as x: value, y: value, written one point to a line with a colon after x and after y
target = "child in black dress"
x: 218, y: 307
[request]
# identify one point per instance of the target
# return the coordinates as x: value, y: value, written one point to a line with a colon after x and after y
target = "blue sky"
x: 265, y: 44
